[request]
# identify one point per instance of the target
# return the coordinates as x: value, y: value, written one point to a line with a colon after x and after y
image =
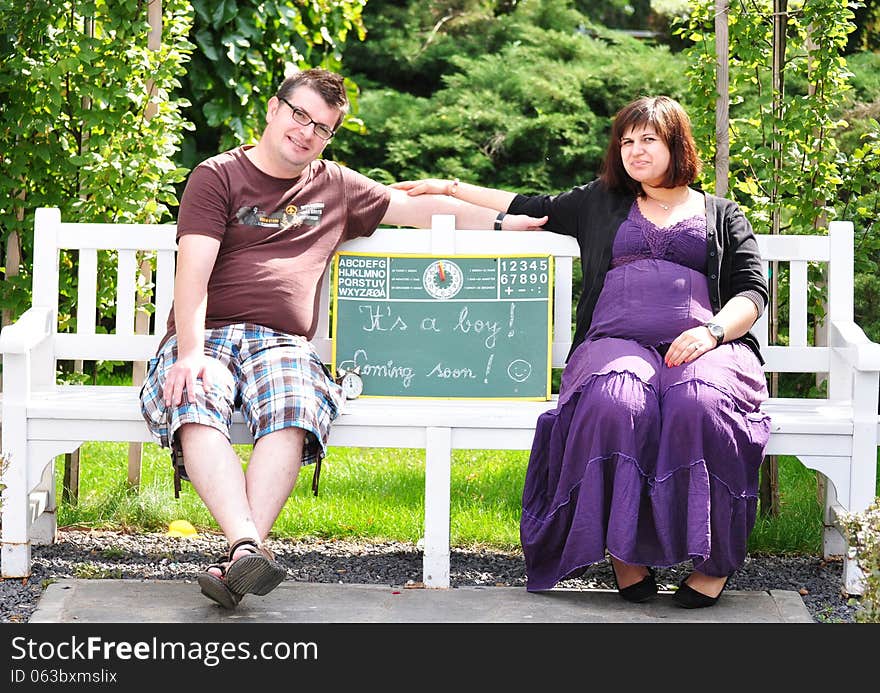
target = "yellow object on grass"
x: 181, y: 528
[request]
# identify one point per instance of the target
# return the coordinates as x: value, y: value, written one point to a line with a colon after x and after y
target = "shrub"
x: 88, y: 123
x: 863, y: 534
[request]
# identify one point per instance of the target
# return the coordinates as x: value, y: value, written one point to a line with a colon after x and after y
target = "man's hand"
x: 182, y: 377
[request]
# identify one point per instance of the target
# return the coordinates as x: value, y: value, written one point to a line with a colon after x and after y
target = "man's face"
x: 296, y: 145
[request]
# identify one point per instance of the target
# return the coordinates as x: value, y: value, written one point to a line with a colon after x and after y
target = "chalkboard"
x: 461, y: 326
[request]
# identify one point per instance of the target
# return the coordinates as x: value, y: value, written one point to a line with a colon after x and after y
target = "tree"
x: 789, y: 171
x: 75, y: 88
x: 788, y: 155
x: 245, y: 49
x: 524, y: 101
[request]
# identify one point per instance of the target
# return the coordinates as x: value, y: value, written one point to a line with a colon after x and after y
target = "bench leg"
x: 16, y: 559
x: 15, y: 549
x: 844, y: 493
x: 438, y: 461
x: 836, y: 544
x: 833, y: 541
x: 45, y: 524
x: 863, y: 469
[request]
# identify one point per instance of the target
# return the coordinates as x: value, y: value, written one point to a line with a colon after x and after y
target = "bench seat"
x: 65, y: 413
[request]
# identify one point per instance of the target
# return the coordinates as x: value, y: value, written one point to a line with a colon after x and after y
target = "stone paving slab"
x: 164, y: 601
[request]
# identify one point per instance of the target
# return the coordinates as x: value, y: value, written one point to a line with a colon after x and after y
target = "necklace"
x: 666, y: 207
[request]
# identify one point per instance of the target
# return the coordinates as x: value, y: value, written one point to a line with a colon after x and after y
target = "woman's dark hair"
x: 669, y: 120
x: 329, y: 85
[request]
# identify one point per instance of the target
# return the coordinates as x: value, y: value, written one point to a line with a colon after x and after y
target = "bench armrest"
x: 849, y: 341
x: 27, y: 332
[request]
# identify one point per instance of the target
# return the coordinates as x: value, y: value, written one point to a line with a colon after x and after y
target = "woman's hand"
x: 689, y: 346
x: 522, y: 222
x: 426, y: 186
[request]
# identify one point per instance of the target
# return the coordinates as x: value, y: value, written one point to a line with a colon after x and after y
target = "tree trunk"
x: 769, y: 491
x: 70, y: 485
x: 722, y: 103
x: 142, y: 318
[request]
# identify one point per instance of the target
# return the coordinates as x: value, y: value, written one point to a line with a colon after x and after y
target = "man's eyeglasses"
x: 301, y: 117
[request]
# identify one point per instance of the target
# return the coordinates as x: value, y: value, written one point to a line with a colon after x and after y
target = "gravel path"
x: 84, y: 554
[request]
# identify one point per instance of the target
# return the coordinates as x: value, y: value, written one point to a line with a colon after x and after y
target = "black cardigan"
x: 592, y: 214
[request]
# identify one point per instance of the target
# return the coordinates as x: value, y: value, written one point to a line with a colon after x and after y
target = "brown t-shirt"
x: 277, y: 236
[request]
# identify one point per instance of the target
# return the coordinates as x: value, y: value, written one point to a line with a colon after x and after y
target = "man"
x: 257, y: 227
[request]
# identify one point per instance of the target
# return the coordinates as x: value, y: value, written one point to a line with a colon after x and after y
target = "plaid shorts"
x: 277, y: 379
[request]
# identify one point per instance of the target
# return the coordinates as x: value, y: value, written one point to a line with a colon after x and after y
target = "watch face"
x: 352, y: 385
x: 443, y: 279
x: 716, y: 331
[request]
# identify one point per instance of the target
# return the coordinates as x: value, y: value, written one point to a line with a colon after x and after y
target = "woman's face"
x: 645, y: 155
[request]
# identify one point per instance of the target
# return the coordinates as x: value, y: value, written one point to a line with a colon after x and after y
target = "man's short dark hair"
x: 671, y: 123
x: 329, y: 85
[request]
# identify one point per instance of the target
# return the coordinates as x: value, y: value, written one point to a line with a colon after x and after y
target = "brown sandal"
x: 256, y: 573
x: 217, y: 589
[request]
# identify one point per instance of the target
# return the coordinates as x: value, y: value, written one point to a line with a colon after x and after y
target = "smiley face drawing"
x: 442, y: 279
x: 519, y: 370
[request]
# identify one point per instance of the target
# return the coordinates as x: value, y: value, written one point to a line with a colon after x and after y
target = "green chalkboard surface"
x: 471, y: 326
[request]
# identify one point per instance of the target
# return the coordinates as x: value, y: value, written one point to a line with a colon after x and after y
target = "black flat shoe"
x: 639, y: 592
x: 688, y: 598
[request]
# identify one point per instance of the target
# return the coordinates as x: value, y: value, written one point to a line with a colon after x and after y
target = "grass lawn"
x: 378, y: 494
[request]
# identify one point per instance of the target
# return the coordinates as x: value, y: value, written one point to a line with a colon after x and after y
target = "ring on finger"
x: 695, y: 346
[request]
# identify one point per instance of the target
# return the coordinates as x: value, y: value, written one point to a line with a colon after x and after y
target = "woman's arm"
x: 416, y: 209
x: 482, y: 197
x: 735, y: 318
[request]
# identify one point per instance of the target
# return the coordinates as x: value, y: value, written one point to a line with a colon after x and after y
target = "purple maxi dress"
x: 655, y: 465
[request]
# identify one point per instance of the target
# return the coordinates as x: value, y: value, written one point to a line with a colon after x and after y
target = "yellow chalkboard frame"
x: 431, y: 257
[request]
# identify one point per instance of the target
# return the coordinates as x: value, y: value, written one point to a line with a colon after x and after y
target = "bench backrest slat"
x: 87, y: 290
x: 841, y: 301
x: 125, y: 291
x: 117, y: 236
x: 797, y: 303
x: 106, y: 347
x: 164, y: 284
x: 796, y: 353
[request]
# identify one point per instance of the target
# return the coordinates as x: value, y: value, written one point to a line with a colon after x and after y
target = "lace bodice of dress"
x: 683, y: 242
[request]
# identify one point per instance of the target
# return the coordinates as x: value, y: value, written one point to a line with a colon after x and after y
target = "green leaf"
x: 205, y: 41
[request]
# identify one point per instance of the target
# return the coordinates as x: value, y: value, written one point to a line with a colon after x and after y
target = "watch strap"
x: 716, y: 331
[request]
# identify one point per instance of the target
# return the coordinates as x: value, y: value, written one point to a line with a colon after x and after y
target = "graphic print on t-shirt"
x: 289, y: 217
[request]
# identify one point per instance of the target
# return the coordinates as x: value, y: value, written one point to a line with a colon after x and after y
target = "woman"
x: 652, y: 453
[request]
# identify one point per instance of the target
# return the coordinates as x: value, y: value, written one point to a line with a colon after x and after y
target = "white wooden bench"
x: 836, y: 436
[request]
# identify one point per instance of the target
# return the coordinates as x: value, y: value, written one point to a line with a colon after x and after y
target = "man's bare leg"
x: 216, y: 474
x: 242, y: 506
x: 271, y: 475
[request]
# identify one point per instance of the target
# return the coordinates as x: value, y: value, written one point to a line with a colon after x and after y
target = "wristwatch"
x: 716, y: 331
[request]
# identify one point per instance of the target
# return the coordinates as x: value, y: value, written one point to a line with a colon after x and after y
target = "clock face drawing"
x: 351, y: 383
x: 443, y: 279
